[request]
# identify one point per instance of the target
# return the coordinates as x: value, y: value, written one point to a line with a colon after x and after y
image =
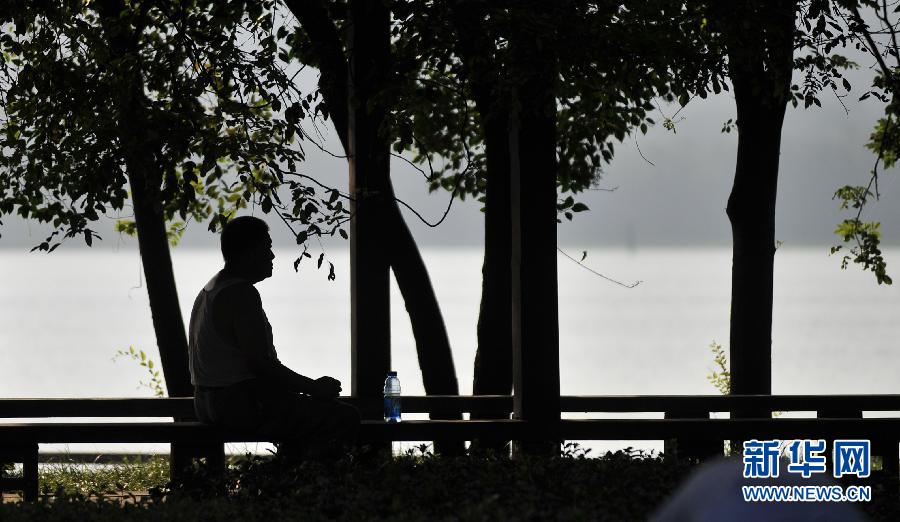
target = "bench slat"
x: 572, y: 429
x: 708, y: 403
x: 183, y: 407
x: 92, y: 407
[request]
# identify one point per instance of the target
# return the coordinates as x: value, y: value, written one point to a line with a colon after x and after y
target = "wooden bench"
x: 687, y: 418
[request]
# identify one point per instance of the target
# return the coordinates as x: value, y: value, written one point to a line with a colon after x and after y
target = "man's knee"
x: 349, y: 415
x: 347, y: 420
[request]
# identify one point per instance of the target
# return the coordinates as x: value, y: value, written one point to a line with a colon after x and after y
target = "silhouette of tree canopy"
x: 224, y: 117
x: 870, y: 26
x: 613, y: 72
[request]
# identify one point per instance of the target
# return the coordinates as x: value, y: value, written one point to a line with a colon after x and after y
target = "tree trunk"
x: 493, y: 358
x: 759, y: 36
x: 432, y: 342
x: 435, y: 360
x: 493, y: 362
x: 751, y: 210
x: 535, y: 310
x: 153, y: 244
x: 368, y: 156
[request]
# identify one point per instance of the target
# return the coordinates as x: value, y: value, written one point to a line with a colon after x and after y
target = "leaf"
x: 583, y: 255
x: 87, y: 237
x: 321, y: 258
x: 343, y: 233
x: 579, y: 207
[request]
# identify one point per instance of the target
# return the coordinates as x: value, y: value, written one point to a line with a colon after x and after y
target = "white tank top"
x: 215, y: 359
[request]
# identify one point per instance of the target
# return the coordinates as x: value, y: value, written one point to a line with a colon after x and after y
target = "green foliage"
x: 874, y: 31
x: 68, y: 479
x: 866, y: 251
x: 611, y: 72
x: 720, y: 378
x: 864, y: 235
x: 155, y: 383
x: 174, y: 231
x: 885, y: 140
x: 187, y: 93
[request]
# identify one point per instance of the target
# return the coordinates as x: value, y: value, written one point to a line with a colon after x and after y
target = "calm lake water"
x: 64, y: 315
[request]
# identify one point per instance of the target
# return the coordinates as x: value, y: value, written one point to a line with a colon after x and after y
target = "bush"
x: 625, y: 485
x: 416, y: 486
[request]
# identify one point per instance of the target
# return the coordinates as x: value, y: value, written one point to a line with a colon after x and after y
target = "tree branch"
x: 313, y: 17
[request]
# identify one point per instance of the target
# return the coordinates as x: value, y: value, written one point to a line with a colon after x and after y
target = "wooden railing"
x: 686, y: 426
x: 676, y: 404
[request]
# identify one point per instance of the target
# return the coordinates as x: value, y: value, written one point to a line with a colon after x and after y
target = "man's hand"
x: 326, y: 388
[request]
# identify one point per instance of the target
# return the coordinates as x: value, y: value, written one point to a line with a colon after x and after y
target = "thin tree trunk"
x: 153, y: 244
x: 432, y: 342
x: 436, y: 362
x: 751, y: 210
x: 368, y: 155
x: 535, y: 301
x: 168, y: 324
x: 493, y: 357
x: 493, y: 361
x: 759, y: 36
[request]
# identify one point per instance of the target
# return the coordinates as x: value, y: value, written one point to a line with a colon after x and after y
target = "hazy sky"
x: 678, y: 200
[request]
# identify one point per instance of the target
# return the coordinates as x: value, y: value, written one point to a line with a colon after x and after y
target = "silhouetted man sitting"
x: 238, y: 380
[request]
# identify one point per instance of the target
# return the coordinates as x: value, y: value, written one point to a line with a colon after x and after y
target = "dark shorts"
x: 276, y: 414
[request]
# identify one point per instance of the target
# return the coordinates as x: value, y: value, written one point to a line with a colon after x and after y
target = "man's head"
x: 247, y: 248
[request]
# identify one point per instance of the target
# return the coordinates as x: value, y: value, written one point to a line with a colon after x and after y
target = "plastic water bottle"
x: 392, y: 398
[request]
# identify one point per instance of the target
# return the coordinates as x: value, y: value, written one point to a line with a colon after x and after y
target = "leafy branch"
x: 720, y: 378
x: 155, y: 384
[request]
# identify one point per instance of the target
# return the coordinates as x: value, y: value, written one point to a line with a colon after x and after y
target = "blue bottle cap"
x: 392, y: 374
